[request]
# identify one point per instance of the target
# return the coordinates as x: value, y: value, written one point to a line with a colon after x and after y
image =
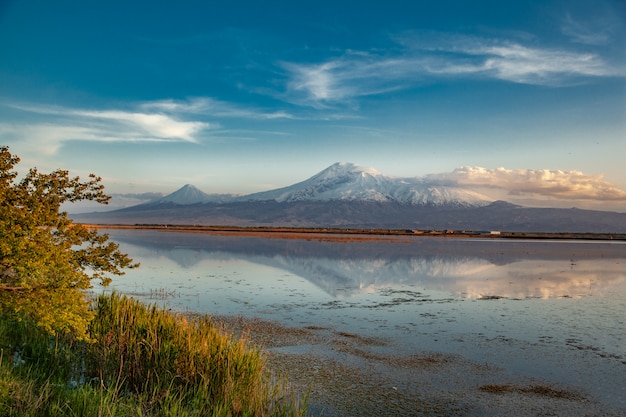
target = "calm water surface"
x: 553, y: 310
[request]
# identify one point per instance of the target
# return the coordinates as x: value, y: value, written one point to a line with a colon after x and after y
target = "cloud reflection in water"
x: 471, y: 269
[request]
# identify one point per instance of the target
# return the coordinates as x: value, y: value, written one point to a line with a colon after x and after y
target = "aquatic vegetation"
x: 142, y: 360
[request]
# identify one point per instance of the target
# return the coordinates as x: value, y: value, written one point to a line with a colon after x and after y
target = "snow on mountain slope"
x: 415, y: 191
x: 343, y: 181
x: 349, y: 182
x: 189, y: 194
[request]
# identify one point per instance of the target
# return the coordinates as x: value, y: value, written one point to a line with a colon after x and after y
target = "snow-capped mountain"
x: 345, y: 181
x: 190, y: 194
x: 347, y: 195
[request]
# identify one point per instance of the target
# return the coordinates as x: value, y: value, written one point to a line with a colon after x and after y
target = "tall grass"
x: 142, y: 361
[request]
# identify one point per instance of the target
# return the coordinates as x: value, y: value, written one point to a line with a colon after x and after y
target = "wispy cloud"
x: 46, y: 128
x: 47, y: 138
x: 521, y: 64
x: 214, y: 108
x: 598, y: 30
x: 50, y: 126
x: 346, y: 78
x: 581, y: 34
x: 158, y: 126
x: 571, y: 185
x: 353, y: 75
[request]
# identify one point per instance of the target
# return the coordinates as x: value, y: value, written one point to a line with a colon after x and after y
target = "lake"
x: 551, y: 310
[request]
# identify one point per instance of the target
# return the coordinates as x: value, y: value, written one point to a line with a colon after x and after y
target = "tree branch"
x: 15, y: 289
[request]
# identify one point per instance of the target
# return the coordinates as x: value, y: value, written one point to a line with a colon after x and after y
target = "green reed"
x: 142, y: 361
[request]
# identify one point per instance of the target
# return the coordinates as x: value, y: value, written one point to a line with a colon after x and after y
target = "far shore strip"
x: 341, y: 234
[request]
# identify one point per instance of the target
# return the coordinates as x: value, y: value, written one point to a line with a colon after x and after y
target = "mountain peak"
x: 346, y: 168
x: 189, y: 188
x: 187, y: 194
x: 345, y: 181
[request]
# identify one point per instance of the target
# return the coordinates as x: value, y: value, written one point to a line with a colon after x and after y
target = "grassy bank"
x: 141, y: 361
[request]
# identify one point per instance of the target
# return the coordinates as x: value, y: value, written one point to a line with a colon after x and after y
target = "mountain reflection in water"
x: 548, y: 310
x: 474, y: 269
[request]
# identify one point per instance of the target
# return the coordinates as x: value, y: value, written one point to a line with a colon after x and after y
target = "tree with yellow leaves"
x: 47, y: 261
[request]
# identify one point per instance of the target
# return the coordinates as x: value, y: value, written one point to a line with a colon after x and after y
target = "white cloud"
x: 193, y: 106
x: 594, y: 32
x: 155, y: 125
x: 45, y: 129
x: 521, y: 64
x: 213, y: 108
x: 346, y: 78
x: 318, y: 81
x: 46, y: 138
x: 352, y: 75
x: 571, y: 185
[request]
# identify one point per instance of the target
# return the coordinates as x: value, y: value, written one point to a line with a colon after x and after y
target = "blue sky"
x: 525, y: 100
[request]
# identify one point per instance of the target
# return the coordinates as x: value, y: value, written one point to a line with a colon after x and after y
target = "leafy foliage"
x: 46, y: 261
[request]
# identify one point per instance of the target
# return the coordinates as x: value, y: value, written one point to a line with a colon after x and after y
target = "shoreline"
x: 333, y: 233
x: 350, y: 370
x: 346, y: 374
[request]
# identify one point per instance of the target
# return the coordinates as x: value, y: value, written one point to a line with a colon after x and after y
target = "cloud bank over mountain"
x: 468, y: 186
x: 558, y: 184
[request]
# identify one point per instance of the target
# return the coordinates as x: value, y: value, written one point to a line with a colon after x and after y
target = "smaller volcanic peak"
x: 188, y: 194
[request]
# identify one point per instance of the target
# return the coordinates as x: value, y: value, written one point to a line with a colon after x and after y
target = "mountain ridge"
x: 350, y: 196
x: 343, y: 181
x: 369, y: 215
